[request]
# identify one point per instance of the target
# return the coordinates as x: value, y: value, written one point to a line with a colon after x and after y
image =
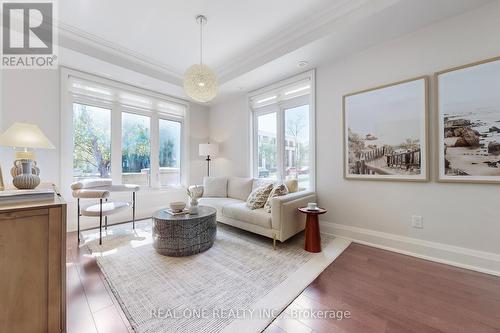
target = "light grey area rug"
x: 212, y: 291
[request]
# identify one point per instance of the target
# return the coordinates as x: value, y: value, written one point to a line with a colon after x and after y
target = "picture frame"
x: 2, y: 185
x: 468, y: 123
x: 378, y: 147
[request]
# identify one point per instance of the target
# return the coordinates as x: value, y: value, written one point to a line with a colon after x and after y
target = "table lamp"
x: 27, y: 137
x: 208, y: 149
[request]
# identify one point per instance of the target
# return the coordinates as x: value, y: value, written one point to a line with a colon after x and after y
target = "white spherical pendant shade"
x: 200, y: 83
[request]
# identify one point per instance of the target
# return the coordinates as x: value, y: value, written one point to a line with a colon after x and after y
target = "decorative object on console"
x: 208, y: 150
x: 194, y: 192
x: 385, y: 132
x: 277, y: 191
x: 468, y: 111
x: 200, y: 82
x: 25, y: 173
x: 10, y: 196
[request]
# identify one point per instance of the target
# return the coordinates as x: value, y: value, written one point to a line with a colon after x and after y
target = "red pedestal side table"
x: 313, y: 238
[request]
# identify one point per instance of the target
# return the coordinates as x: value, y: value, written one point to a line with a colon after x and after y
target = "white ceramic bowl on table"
x: 177, y: 206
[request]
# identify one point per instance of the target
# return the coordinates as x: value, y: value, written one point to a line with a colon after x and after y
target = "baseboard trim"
x: 480, y: 261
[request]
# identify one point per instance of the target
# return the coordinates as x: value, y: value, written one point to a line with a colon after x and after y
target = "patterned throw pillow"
x: 277, y: 191
x: 258, y: 197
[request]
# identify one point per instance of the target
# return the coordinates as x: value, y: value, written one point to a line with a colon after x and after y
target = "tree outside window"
x: 92, y: 142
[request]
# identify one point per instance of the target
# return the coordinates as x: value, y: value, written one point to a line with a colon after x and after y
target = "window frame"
x: 168, y: 117
x: 100, y: 106
x: 138, y: 112
x: 280, y: 108
x: 68, y: 98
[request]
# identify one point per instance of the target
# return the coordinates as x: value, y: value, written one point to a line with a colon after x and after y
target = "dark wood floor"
x: 383, y: 292
x: 91, y: 306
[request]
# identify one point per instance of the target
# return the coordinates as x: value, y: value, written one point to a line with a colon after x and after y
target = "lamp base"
x: 26, y: 181
x: 25, y: 174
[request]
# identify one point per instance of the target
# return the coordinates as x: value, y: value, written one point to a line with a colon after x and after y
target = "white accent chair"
x: 228, y: 196
x: 101, y: 189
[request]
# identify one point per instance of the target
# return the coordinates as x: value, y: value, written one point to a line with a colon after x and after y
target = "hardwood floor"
x: 91, y: 306
x: 383, y: 292
x: 389, y: 292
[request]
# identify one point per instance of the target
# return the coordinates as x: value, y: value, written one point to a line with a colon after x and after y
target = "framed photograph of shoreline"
x: 385, y: 132
x: 468, y: 117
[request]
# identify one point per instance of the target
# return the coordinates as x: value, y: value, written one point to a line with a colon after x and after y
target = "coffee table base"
x: 184, y: 237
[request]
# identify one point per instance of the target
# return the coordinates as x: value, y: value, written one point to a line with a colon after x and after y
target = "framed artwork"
x: 385, y: 132
x: 468, y: 117
x: 2, y: 186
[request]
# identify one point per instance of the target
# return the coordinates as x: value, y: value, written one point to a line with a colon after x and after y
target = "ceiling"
x: 246, y: 42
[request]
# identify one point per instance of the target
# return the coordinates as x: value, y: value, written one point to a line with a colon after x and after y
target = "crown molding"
x: 95, y: 46
x: 278, y: 44
x: 304, y: 32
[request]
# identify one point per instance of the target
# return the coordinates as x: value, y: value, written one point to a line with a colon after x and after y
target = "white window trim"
x: 279, y: 108
x: 66, y: 117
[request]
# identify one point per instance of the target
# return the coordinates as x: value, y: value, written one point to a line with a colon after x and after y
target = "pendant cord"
x: 201, y: 41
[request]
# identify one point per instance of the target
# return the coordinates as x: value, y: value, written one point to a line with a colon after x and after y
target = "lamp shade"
x: 207, y: 149
x: 22, y: 135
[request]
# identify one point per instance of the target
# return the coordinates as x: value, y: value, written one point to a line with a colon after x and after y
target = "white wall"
x: 229, y: 126
x: 461, y: 221
x: 199, y: 132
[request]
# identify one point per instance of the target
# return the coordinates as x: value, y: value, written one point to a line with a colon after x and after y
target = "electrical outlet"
x: 417, y: 222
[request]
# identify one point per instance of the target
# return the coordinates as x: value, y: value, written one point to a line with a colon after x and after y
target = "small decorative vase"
x: 193, y: 208
x: 25, y: 174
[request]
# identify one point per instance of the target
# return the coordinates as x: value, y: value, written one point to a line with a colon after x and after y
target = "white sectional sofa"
x: 281, y: 223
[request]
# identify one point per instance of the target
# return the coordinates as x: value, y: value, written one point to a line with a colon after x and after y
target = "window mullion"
x: 116, y: 143
x: 155, y: 150
x: 280, y: 137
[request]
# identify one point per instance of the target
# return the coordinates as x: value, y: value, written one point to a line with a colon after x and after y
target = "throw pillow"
x: 259, y: 182
x: 277, y: 191
x: 239, y: 188
x: 292, y: 185
x: 215, y: 187
x: 257, y: 199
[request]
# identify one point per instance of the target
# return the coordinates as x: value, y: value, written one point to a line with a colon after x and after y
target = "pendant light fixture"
x: 200, y: 82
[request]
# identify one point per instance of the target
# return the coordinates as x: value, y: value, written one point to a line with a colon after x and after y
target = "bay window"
x: 283, y: 131
x: 117, y: 131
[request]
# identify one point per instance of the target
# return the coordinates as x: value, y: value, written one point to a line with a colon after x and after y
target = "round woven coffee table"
x: 184, y: 235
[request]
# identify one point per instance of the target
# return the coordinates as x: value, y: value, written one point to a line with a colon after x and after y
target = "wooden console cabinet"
x: 33, y: 267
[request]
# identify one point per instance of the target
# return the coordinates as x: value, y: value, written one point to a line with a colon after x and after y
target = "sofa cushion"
x: 257, y: 199
x: 215, y: 187
x: 277, y: 191
x: 239, y: 211
x: 292, y: 185
x: 259, y: 182
x: 218, y: 203
x: 239, y: 188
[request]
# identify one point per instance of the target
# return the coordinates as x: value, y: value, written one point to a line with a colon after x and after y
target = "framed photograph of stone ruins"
x: 468, y: 111
x: 385, y: 132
